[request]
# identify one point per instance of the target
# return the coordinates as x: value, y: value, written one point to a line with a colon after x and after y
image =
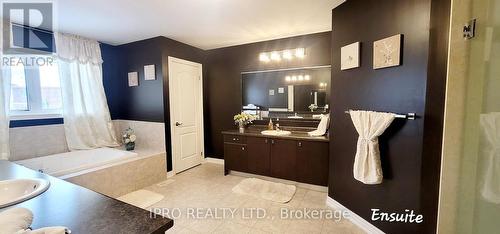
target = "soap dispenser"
x: 270, y: 124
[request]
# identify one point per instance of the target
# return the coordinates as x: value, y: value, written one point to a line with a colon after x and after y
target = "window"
x: 35, y: 91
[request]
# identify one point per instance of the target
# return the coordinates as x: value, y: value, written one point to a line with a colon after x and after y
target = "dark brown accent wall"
x: 150, y: 100
x: 222, y: 91
x: 410, y: 149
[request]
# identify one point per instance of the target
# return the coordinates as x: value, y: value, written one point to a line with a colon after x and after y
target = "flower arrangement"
x: 243, y: 119
x: 129, y: 139
x: 313, y: 107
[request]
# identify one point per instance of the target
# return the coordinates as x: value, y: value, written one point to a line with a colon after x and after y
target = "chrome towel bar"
x: 410, y: 116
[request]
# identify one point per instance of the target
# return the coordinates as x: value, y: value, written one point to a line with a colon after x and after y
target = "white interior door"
x: 186, y: 113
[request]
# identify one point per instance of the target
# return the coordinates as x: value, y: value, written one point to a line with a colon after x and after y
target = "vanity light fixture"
x: 277, y: 56
x: 322, y: 84
x: 299, y: 78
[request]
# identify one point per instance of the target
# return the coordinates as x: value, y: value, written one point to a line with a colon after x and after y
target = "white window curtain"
x: 490, y: 155
x: 4, y: 113
x: 87, y: 121
x: 369, y: 125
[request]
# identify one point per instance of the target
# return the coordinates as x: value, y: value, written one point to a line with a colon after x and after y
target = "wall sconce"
x: 277, y: 56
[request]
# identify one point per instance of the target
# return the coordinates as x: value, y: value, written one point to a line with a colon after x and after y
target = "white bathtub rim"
x: 102, y: 167
x: 141, y: 154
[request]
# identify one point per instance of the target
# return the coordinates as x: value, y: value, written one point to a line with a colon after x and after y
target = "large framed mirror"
x: 288, y: 93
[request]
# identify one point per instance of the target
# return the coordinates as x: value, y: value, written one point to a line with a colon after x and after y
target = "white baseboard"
x: 214, y: 160
x: 353, y: 217
x: 298, y: 184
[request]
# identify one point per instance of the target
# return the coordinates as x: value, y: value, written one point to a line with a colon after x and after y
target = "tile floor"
x: 207, y: 189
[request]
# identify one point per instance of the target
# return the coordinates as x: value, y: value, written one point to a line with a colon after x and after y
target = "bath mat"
x: 267, y: 190
x: 141, y: 198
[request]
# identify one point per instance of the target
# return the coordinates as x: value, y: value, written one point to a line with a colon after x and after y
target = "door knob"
x: 178, y: 124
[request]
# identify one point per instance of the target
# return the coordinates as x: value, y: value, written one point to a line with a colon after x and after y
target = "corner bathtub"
x: 108, y: 171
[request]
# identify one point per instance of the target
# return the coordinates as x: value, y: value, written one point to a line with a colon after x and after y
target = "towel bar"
x: 410, y: 116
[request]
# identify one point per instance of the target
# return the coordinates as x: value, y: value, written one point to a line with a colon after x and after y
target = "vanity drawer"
x: 234, y: 139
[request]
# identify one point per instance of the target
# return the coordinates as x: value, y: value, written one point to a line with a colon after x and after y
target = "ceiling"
x: 206, y: 24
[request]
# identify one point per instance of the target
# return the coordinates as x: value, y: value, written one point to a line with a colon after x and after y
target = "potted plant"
x: 129, y: 139
x: 313, y: 107
x: 243, y: 119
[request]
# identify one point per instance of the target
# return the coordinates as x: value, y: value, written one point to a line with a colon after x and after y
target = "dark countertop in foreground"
x: 296, y: 135
x: 80, y: 209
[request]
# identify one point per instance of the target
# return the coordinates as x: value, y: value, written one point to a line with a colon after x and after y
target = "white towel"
x: 50, y: 230
x: 15, y: 220
x: 369, y: 125
x: 322, y: 126
x: 490, y: 154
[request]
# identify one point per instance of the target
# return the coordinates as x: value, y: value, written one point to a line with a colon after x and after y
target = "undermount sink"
x: 19, y: 190
x: 276, y: 132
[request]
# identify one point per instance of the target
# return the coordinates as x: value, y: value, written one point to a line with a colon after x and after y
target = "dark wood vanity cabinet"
x: 312, y: 164
x: 283, y: 159
x: 298, y: 160
x: 236, y: 157
x: 259, y: 152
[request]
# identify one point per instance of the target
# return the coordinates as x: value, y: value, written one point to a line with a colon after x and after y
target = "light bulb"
x: 287, y: 54
x: 288, y: 78
x: 275, y: 56
x: 307, y: 77
x: 300, y: 52
x: 264, y: 57
x: 301, y: 77
x: 294, y: 78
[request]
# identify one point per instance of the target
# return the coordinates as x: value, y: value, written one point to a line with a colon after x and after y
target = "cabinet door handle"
x: 300, y: 144
x: 243, y: 148
x: 272, y: 142
x: 265, y: 141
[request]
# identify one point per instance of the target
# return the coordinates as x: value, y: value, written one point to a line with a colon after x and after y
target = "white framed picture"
x: 349, y: 56
x: 133, y: 79
x: 387, y: 52
x: 149, y: 72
